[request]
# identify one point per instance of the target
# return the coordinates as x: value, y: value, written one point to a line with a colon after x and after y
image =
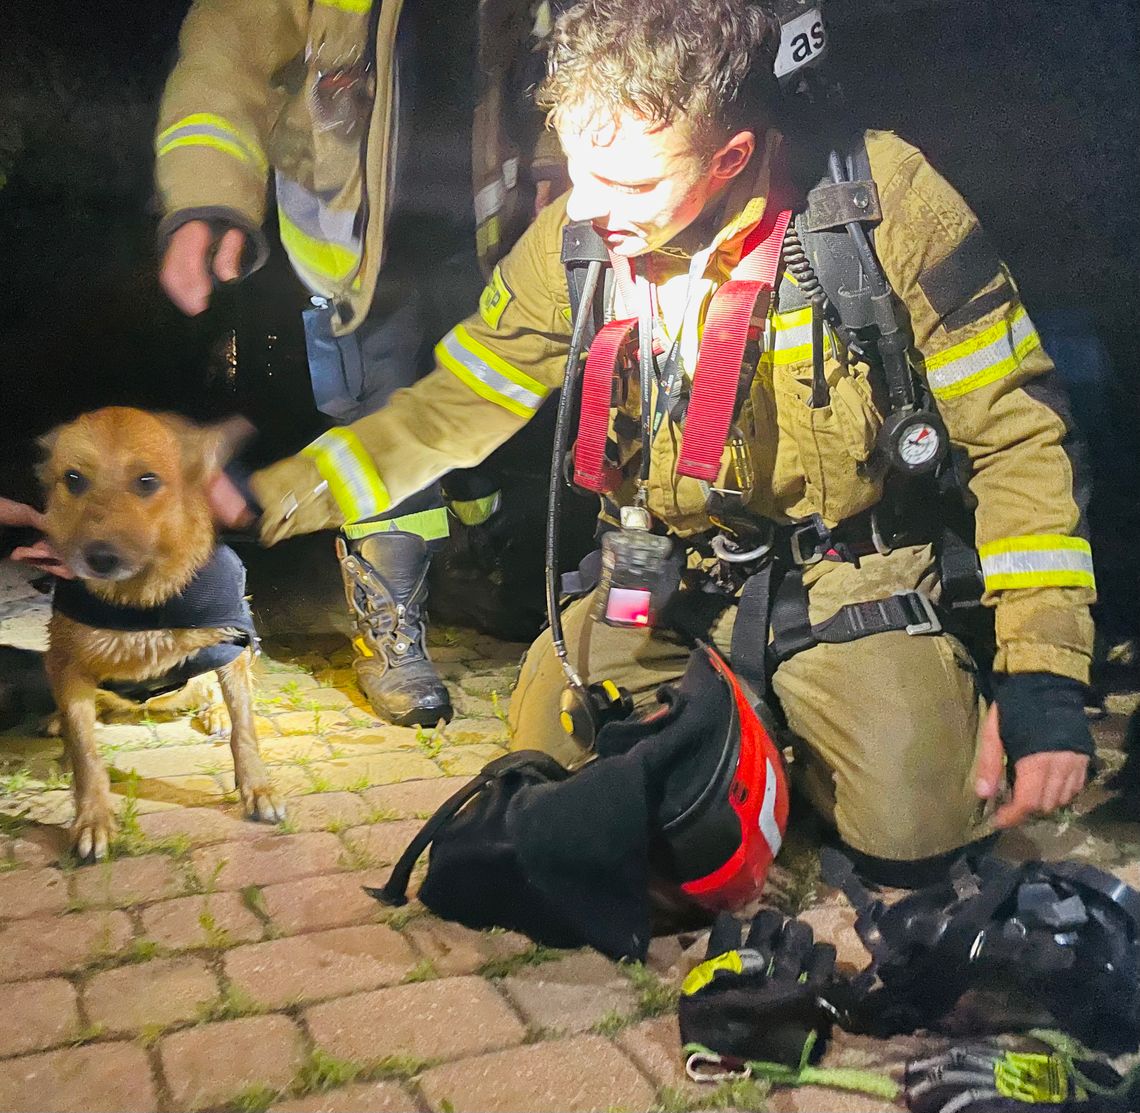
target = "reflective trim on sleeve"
x: 357, y: 7
x: 489, y: 375
x: 204, y: 129
x: 348, y: 469
x: 983, y: 359
x: 1037, y: 560
x: 321, y: 241
x: 431, y: 525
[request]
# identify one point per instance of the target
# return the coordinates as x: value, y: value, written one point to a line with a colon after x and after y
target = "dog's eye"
x: 75, y: 482
x: 147, y: 484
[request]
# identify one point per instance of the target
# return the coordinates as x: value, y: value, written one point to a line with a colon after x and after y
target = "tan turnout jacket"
x: 972, y: 341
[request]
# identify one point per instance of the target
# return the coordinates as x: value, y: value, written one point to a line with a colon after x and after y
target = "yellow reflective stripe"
x: 701, y: 975
x: 431, y: 525
x: 357, y: 7
x: 318, y: 257
x: 348, y: 470
x: 206, y: 123
x: 983, y: 359
x: 1037, y: 560
x: 489, y: 375
x: 474, y: 512
x: 789, y: 339
x: 796, y: 319
x: 214, y: 141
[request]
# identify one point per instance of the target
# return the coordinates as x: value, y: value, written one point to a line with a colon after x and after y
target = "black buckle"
x: 810, y: 541
x: 919, y: 610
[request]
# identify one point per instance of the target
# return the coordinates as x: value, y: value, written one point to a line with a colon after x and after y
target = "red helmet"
x: 725, y: 841
x: 723, y: 804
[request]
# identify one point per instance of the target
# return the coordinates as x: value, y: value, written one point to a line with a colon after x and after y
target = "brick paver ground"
x: 217, y: 964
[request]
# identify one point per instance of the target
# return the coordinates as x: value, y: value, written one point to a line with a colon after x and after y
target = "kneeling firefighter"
x: 787, y: 353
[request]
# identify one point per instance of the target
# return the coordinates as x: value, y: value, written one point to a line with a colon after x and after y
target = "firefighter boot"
x: 385, y: 581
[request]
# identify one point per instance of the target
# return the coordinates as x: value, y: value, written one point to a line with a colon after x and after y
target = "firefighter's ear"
x: 733, y: 156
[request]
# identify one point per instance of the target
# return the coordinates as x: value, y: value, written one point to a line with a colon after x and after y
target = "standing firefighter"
x: 332, y: 97
x: 772, y: 427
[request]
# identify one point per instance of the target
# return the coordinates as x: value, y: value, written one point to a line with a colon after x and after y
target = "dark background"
x: 1031, y: 108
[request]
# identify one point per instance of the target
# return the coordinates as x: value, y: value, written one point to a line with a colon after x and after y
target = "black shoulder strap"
x: 581, y: 246
x: 395, y: 890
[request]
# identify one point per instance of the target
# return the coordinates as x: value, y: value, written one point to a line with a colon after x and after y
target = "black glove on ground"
x: 762, y: 1001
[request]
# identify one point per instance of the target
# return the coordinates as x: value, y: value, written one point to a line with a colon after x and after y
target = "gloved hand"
x: 1041, y: 712
x: 763, y: 1001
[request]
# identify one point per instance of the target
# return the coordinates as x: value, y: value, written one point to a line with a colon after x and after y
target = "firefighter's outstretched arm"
x: 492, y: 372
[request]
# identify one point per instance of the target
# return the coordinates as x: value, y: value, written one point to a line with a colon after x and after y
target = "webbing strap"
x: 793, y: 632
x: 590, y: 469
x: 750, y: 630
x: 717, y: 375
x: 394, y: 892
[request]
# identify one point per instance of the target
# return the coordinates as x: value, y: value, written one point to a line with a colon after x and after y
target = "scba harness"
x: 850, y: 302
x: 1061, y: 939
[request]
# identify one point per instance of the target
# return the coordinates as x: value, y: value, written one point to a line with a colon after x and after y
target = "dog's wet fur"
x: 127, y: 511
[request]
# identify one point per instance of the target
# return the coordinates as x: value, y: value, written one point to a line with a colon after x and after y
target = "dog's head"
x: 126, y: 498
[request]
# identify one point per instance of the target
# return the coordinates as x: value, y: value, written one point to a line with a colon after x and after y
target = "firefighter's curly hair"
x: 708, y: 63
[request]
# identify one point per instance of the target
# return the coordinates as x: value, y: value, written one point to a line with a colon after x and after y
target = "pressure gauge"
x: 914, y: 441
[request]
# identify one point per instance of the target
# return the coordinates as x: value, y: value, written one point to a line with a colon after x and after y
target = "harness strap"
x: 793, y: 632
x: 394, y: 892
x: 717, y: 376
x: 602, y: 364
x: 750, y: 630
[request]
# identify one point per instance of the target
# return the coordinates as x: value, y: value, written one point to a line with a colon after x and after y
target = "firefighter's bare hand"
x: 1041, y: 782
x: 188, y: 270
x: 39, y: 554
x: 228, y: 503
x: 20, y: 515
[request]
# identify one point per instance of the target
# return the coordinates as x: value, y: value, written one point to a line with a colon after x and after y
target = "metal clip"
x: 920, y: 604
x: 736, y: 1068
x: 635, y: 517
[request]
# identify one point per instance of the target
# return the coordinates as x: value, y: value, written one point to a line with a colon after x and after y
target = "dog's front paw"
x: 212, y: 720
x: 91, y: 833
x: 261, y: 803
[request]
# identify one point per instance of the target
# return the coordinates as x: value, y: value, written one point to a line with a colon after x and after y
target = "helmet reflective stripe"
x: 769, y: 826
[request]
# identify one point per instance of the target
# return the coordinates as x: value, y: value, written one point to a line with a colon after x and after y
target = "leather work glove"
x: 770, y: 1000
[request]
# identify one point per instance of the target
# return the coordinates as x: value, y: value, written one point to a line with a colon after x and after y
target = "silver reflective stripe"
x: 511, y: 173
x: 769, y: 828
x: 489, y: 200
x: 197, y: 131
x: 998, y: 356
x: 488, y: 376
x: 306, y: 210
x: 1037, y: 560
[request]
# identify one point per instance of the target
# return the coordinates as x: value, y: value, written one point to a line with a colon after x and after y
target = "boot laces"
x: 396, y: 628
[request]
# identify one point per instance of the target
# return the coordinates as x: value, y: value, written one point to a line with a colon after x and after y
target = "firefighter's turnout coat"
x: 973, y: 343
x: 305, y: 89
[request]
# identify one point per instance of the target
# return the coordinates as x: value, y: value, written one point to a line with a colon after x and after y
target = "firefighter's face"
x: 639, y: 183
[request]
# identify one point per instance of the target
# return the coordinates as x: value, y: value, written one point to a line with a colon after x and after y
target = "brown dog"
x: 127, y: 512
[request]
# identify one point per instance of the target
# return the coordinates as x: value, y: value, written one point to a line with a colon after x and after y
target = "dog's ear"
x: 207, y: 449
x: 46, y: 445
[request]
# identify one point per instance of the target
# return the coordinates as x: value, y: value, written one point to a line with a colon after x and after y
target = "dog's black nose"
x: 101, y: 558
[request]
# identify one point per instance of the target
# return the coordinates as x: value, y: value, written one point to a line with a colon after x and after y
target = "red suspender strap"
x: 590, y: 468
x: 717, y: 373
